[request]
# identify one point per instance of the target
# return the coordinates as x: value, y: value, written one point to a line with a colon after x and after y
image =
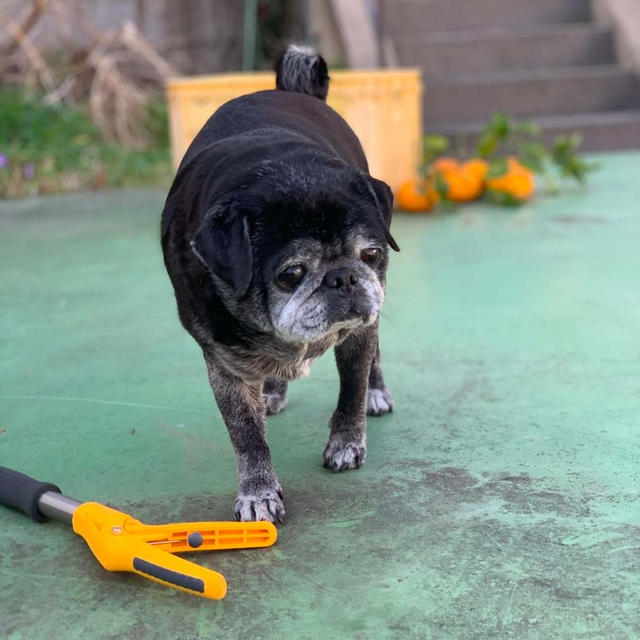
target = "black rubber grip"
x: 166, y: 575
x: 22, y: 492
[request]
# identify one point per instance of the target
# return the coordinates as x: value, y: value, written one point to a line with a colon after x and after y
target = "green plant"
x: 502, y: 134
x: 509, y: 151
x: 47, y: 149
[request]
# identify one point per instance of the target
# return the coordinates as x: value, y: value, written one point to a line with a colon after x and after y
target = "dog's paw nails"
x: 274, y: 403
x: 250, y: 508
x: 342, y: 456
x: 379, y: 402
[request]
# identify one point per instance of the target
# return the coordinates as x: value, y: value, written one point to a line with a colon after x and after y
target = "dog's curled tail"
x: 302, y: 70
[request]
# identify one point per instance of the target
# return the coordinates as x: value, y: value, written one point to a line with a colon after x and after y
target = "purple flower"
x: 28, y: 170
x: 4, y: 161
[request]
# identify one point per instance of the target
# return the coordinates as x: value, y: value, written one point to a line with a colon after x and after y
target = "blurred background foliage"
x: 52, y: 149
x: 82, y: 102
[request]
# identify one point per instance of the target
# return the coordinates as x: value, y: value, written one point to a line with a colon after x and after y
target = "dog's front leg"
x: 242, y: 407
x: 347, y: 443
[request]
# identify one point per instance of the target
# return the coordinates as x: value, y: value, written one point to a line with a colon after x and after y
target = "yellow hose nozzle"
x: 122, y: 543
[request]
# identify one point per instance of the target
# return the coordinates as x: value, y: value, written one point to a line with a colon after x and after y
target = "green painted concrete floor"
x: 499, y: 500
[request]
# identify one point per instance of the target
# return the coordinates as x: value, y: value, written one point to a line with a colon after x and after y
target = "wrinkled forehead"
x: 312, y: 250
x: 344, y: 244
x: 332, y: 219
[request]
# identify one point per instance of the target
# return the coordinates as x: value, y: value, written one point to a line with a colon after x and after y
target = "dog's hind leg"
x: 379, y: 399
x: 275, y: 392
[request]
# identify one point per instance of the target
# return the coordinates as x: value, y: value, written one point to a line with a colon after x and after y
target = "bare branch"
x: 37, y: 61
x: 37, y: 8
x: 117, y: 69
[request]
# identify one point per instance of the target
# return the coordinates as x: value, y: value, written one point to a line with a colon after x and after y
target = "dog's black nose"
x: 340, y: 279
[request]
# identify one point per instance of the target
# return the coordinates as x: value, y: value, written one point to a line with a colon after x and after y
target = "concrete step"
x: 602, y: 131
x: 420, y: 16
x: 530, y: 93
x: 506, y: 48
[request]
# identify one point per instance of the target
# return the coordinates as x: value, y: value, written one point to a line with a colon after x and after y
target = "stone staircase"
x: 543, y: 60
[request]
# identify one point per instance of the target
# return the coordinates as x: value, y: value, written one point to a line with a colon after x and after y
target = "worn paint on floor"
x: 499, y: 500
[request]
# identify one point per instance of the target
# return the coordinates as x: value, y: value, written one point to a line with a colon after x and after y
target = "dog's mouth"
x: 327, y: 317
x: 348, y: 323
x: 354, y: 318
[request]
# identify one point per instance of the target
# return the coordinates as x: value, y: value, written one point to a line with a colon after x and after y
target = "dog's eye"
x: 290, y: 278
x: 370, y: 255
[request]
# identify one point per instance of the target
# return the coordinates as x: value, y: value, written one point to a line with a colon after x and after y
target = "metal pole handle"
x: 39, y: 500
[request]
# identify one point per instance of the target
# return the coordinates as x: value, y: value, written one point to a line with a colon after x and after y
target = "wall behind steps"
x: 195, y: 36
x: 324, y: 33
x: 624, y: 17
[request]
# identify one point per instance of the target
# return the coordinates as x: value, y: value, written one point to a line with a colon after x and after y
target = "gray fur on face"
x: 310, y: 312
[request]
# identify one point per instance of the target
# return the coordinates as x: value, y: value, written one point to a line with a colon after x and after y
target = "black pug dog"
x: 275, y: 238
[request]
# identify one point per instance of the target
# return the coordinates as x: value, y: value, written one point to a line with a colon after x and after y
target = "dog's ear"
x: 384, y: 201
x: 223, y: 245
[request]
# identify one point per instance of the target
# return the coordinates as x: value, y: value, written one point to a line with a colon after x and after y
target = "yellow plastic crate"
x: 384, y: 108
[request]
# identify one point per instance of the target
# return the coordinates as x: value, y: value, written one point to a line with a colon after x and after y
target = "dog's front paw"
x: 260, y: 504
x: 379, y: 402
x: 341, y: 455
